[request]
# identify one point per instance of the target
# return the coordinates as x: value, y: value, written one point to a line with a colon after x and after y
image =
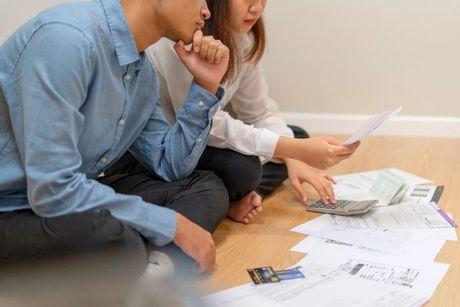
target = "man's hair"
x: 218, y: 26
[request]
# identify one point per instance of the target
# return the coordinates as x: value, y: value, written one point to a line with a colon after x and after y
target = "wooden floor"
x: 267, y: 241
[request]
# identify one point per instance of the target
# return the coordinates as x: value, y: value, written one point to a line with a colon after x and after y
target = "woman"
x: 247, y: 131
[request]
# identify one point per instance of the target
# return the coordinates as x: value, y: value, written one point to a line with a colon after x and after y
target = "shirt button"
x: 199, y: 140
x: 122, y: 122
x: 201, y: 103
x: 104, y: 160
x: 128, y: 77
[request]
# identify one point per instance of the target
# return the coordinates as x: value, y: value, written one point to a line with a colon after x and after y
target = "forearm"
x: 287, y: 148
x: 172, y: 152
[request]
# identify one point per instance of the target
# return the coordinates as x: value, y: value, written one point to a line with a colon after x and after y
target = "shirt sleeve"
x: 48, y: 87
x: 258, y: 120
x: 173, y: 152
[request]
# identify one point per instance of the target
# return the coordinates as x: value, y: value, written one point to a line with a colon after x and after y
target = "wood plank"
x: 267, y: 240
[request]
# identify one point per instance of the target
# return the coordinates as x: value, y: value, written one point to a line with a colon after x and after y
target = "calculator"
x: 342, y: 207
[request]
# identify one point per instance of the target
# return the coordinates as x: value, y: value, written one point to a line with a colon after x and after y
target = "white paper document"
x: 357, y: 186
x: 341, y: 291
x: 408, y: 215
x: 421, y: 193
x: 388, y: 189
x: 423, y: 252
x: 395, y: 242
x: 372, y: 124
x: 331, y: 281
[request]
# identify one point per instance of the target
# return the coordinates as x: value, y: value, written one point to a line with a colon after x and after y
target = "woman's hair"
x: 218, y: 26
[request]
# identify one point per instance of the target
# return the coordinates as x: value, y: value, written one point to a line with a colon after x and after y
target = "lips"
x: 250, y: 21
x: 200, y: 24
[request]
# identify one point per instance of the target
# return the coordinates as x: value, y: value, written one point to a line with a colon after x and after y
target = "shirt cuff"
x: 200, y: 103
x: 267, y: 143
x: 164, y: 224
x: 210, y: 100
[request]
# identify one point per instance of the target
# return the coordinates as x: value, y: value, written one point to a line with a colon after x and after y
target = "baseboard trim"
x: 421, y: 126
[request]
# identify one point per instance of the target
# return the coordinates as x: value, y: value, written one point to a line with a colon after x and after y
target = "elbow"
x: 45, y: 201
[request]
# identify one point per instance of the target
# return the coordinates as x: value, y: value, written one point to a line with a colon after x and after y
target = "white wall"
x: 13, y: 13
x: 364, y: 56
x: 349, y: 57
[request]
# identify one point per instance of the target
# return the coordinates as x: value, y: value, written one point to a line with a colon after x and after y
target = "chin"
x: 187, y: 37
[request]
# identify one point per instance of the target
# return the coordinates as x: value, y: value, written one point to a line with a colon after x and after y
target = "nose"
x: 204, y: 12
x: 257, y: 7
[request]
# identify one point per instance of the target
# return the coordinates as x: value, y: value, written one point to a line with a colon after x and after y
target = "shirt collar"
x: 123, y: 40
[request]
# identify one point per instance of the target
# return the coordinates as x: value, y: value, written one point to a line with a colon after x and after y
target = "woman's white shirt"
x: 257, y: 126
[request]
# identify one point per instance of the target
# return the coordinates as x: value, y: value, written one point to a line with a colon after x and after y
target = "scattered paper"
x: 332, y: 281
x: 425, y: 251
x: 408, y: 215
x: 356, y: 186
x: 372, y: 124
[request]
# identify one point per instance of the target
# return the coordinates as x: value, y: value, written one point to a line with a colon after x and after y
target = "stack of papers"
x: 383, y: 258
x: 388, y: 186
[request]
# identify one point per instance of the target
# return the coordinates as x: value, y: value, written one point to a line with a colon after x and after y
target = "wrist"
x: 286, y: 148
x: 179, y: 227
x: 209, y: 86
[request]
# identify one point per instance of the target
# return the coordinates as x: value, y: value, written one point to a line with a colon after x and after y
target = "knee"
x: 214, y: 198
x: 94, y: 232
x: 242, y: 175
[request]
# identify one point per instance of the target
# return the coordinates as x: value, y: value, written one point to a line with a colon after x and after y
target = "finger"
x: 197, y: 37
x: 197, y: 268
x: 330, y: 178
x: 319, y: 187
x: 249, y: 216
x: 213, y: 255
x: 330, y: 191
x: 182, y: 53
x: 205, y: 46
x: 342, y: 150
x: 352, y: 148
x: 212, y: 50
x: 299, y: 189
x: 332, y: 140
x: 254, y: 212
x: 219, y: 54
x: 259, y: 209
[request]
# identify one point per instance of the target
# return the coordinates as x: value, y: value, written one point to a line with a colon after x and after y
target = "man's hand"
x: 195, y: 242
x: 320, y: 152
x: 207, y: 61
x: 300, y: 172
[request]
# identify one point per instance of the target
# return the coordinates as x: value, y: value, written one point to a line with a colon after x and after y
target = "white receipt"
x: 398, y: 241
x: 425, y: 251
x: 408, y: 215
x: 372, y: 124
x: 328, y: 283
x: 356, y: 186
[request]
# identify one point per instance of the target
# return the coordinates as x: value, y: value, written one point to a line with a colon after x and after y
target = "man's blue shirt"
x: 75, y: 95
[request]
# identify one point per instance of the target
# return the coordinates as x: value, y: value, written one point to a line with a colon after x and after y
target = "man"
x: 76, y: 92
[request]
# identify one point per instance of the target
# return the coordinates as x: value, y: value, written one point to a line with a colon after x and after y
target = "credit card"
x: 292, y: 273
x: 263, y: 275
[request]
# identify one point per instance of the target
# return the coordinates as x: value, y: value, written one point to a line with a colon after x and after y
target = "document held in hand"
x: 372, y: 124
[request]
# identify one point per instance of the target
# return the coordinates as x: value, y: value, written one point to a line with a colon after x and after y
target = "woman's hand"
x: 320, y: 152
x: 300, y: 173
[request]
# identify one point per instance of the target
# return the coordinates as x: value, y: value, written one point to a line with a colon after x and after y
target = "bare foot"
x: 245, y: 209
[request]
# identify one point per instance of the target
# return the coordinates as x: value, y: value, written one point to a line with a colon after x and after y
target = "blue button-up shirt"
x: 75, y: 95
